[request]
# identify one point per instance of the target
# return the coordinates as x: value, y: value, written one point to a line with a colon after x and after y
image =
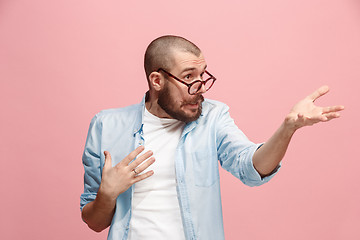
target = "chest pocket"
x: 205, y: 168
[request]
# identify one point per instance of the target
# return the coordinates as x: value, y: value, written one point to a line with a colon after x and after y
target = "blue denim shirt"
x: 213, y: 137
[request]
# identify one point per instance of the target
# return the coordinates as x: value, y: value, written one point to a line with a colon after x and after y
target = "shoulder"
x: 128, y: 112
x: 118, y: 111
x: 212, y: 111
x: 212, y: 106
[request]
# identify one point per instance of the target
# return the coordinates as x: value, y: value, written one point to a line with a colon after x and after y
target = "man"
x: 178, y: 195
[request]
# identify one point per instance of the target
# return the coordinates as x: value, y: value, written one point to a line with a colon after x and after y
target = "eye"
x: 188, y: 77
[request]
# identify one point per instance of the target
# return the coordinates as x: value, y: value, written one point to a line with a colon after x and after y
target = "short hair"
x: 159, y: 53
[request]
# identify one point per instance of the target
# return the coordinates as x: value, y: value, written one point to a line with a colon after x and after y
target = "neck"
x: 153, y: 107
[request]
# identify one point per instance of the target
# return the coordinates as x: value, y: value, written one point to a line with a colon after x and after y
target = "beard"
x: 167, y: 103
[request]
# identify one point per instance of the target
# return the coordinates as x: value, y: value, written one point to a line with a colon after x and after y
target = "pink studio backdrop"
x: 63, y: 61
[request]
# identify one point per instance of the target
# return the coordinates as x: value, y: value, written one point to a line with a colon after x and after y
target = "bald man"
x: 151, y: 169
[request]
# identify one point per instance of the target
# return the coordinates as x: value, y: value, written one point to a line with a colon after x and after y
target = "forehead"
x: 183, y: 60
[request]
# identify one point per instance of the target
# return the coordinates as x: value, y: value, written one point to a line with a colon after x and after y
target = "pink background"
x: 63, y: 61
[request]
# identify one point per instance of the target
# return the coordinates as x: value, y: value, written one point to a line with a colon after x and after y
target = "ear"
x: 156, y: 81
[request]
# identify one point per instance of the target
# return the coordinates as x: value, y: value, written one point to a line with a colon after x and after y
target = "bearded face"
x: 176, y: 110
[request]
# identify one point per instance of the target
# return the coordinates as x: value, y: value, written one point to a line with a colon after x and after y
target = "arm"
x: 235, y: 151
x: 98, y: 213
x: 115, y: 180
x: 304, y: 113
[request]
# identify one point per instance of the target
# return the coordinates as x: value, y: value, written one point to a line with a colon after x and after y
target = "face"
x: 174, y: 98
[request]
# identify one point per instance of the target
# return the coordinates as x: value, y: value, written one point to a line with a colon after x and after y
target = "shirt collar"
x: 140, y: 115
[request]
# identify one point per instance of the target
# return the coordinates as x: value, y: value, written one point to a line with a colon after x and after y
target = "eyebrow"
x: 191, y: 69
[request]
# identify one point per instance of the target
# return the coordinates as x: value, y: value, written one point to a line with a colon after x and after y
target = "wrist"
x: 103, y: 198
x: 288, y: 126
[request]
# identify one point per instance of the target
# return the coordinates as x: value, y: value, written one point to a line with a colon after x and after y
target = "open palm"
x: 306, y: 113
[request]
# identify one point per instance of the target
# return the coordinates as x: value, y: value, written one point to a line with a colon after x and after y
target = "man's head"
x: 160, y: 52
x: 183, y: 60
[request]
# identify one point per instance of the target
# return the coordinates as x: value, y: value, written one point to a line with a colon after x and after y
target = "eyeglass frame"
x: 189, y: 85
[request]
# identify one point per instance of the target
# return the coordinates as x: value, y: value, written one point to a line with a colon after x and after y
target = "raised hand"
x: 306, y: 113
x: 117, y: 179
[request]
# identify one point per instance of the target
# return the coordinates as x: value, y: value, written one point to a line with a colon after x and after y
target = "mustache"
x: 199, y: 99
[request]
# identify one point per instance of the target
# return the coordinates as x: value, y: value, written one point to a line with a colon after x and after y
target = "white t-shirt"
x: 155, y: 206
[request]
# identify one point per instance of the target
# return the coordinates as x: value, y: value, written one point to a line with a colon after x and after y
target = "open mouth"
x: 195, y: 104
x: 191, y: 105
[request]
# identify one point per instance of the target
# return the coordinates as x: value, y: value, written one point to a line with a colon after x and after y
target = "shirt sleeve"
x: 235, y: 151
x: 91, y: 162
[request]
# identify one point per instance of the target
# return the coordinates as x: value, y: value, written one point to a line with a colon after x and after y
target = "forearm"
x: 98, y: 214
x: 268, y: 157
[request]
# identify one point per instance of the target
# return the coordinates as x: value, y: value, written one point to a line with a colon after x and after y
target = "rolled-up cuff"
x: 85, y: 198
x: 253, y: 176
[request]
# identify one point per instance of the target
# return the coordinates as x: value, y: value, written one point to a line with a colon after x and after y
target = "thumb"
x: 107, y: 163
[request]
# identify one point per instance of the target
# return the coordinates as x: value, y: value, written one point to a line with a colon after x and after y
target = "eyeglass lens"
x: 207, y: 81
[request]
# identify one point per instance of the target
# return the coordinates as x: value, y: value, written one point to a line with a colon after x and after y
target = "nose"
x: 202, y: 89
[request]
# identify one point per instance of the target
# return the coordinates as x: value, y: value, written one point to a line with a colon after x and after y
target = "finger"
x: 108, y: 159
x: 145, y: 165
x: 318, y: 93
x: 132, y: 155
x: 318, y: 118
x: 311, y: 120
x: 140, y: 159
x: 143, y: 176
x: 332, y: 115
x: 333, y: 109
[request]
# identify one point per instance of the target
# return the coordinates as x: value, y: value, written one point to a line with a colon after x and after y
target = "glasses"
x: 195, y: 86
